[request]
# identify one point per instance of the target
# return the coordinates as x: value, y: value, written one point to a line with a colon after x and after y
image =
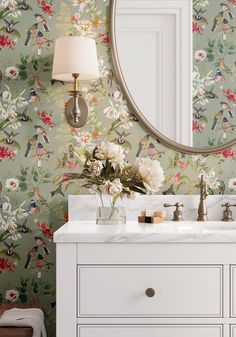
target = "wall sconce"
x: 75, y: 59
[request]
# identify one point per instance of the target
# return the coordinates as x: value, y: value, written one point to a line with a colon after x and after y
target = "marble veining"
x: 187, y: 231
x: 83, y: 207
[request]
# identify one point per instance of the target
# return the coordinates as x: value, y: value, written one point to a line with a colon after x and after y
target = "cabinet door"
x: 150, y: 331
x: 158, y: 291
x: 233, y: 331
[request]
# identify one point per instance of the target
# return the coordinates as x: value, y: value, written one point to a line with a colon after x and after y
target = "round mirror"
x: 170, y: 61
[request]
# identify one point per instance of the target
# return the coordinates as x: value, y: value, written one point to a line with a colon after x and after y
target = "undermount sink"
x: 222, y: 227
x: 200, y: 226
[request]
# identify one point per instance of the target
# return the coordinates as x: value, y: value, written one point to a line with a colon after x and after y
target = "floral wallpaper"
x: 38, y: 148
x: 214, y: 73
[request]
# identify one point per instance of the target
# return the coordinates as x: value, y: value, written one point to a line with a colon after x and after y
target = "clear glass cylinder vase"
x: 111, y: 215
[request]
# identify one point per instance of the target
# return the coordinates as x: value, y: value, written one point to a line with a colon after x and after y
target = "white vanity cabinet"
x: 143, y: 281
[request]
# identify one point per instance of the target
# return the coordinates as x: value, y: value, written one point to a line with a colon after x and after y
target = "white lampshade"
x: 77, y: 55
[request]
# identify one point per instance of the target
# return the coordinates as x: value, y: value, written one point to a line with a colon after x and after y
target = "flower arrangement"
x: 106, y: 171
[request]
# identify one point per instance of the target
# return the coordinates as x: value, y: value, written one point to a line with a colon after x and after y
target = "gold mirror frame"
x: 136, y: 111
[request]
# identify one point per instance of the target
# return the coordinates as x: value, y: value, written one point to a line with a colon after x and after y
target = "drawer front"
x: 150, y: 331
x: 180, y: 291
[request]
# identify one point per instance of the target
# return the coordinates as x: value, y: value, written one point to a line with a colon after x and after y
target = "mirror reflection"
x: 178, y: 62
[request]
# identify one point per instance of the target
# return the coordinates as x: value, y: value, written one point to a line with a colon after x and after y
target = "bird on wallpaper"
x: 226, y: 9
x: 217, y: 118
x: 40, y: 263
x: 225, y: 28
x: 199, y: 112
x: 23, y: 5
x: 152, y: 152
x: 218, y: 20
x: 30, y: 145
x: 198, y: 15
x: 143, y: 145
x: 10, y: 252
x: 9, y: 139
x: 71, y: 152
x: 58, y: 190
x: 40, y: 42
x: 31, y: 254
x: 42, y: 244
x: 41, y: 20
x: 121, y: 139
x: 9, y: 27
x: 224, y: 66
x: 33, y: 96
x: 225, y: 107
x: 225, y: 127
x: 31, y: 32
x: 33, y: 208
x: 42, y: 132
x: 219, y: 77
x: 41, y: 153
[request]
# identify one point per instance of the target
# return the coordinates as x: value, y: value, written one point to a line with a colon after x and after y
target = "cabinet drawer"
x: 180, y: 291
x: 151, y: 331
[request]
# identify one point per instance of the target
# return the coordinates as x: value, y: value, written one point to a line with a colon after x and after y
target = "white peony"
x: 113, y: 187
x: 12, y: 184
x: 151, y: 173
x: 112, y: 152
x: 95, y: 167
x: 12, y: 295
x: 232, y: 184
x: 12, y: 72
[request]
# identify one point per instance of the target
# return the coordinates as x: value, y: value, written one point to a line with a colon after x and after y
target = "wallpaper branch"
x: 38, y: 148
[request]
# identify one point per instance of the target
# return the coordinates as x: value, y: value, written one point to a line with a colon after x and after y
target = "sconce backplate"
x: 83, y: 112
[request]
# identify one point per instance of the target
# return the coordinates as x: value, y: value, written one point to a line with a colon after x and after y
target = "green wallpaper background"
x: 37, y: 146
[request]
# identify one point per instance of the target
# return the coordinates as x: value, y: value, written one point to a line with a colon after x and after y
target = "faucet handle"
x: 227, y: 214
x: 177, y: 215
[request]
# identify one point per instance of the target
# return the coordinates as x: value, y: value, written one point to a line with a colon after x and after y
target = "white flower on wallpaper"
x: 12, y: 295
x: 232, y: 184
x: 12, y: 184
x: 12, y: 72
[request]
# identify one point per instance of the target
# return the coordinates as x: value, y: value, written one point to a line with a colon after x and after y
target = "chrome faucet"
x: 202, y: 208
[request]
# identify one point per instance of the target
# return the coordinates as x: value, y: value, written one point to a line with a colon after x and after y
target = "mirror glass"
x: 177, y: 63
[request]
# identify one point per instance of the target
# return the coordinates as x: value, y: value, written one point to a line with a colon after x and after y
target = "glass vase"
x: 111, y: 215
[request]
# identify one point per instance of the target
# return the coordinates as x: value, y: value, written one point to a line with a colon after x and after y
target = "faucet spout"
x: 202, y: 208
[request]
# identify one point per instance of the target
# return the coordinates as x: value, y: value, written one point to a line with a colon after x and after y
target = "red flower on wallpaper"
x: 196, y: 28
x: 5, y: 42
x: 197, y: 127
x: 46, y: 118
x: 104, y: 37
x: 46, y: 230
x: 5, y: 265
x: 5, y: 153
x: 231, y: 97
x: 227, y: 154
x: 232, y: 2
x: 46, y: 7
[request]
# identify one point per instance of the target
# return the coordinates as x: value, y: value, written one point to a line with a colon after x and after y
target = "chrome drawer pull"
x: 150, y: 292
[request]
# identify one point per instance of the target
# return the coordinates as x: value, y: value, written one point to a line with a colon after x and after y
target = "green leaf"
x: 23, y: 187
x: 23, y: 298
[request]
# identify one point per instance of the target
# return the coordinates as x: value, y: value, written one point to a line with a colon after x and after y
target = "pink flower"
x: 232, y: 2
x: 182, y: 165
x: 46, y: 118
x: 231, y: 97
x: 197, y: 127
x: 196, y: 28
x: 71, y: 165
x: 5, y: 153
x: 5, y: 264
x: 47, y: 8
x: 6, y: 42
x: 176, y: 179
x: 227, y: 154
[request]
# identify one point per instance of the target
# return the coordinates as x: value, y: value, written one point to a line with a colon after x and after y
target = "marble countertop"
x: 132, y: 232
